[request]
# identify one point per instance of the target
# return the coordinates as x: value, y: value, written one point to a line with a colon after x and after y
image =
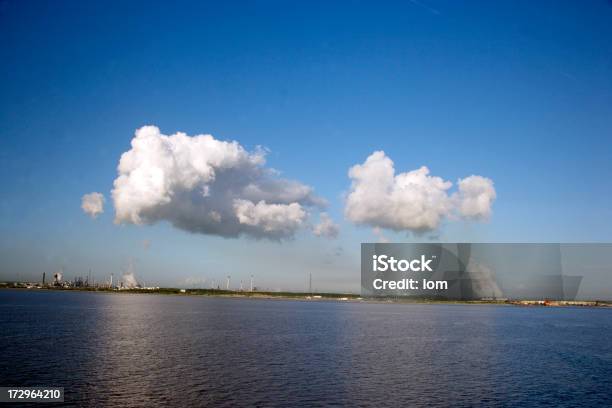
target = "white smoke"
x: 413, y: 201
x: 129, y: 280
x: 58, y: 276
x: 204, y: 185
x: 483, y: 281
x: 326, y: 227
x: 129, y: 277
x: 93, y: 204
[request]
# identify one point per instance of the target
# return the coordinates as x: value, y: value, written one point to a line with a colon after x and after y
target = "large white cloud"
x: 92, y: 204
x: 204, y: 185
x: 413, y: 201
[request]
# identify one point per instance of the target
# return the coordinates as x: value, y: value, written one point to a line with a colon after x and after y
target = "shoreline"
x: 318, y: 297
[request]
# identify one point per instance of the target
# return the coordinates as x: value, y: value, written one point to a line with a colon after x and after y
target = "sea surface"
x: 122, y: 350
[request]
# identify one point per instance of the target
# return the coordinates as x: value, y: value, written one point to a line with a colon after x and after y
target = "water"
x: 152, y: 350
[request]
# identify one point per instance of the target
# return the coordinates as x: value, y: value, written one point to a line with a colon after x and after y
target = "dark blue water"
x: 153, y: 350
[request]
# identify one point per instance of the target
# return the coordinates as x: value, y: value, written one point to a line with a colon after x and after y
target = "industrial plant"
x: 87, y: 282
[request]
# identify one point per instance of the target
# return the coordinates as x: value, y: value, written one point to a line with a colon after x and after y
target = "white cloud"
x: 406, y: 201
x: 475, y: 197
x: 283, y: 219
x: 326, y: 227
x: 204, y: 185
x: 93, y: 204
x: 414, y: 200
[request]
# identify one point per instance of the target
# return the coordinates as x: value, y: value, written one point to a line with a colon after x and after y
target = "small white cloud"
x: 475, y: 197
x: 411, y: 201
x: 93, y: 204
x: 326, y: 227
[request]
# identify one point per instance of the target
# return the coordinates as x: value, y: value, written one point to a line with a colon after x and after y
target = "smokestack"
x: 44, y: 276
x: 57, y: 277
x: 251, y: 283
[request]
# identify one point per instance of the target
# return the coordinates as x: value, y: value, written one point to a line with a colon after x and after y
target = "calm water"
x: 149, y: 350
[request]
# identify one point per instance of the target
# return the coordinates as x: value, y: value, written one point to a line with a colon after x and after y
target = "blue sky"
x: 519, y: 92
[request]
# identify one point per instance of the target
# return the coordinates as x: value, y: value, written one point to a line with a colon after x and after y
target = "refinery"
x: 88, y: 282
